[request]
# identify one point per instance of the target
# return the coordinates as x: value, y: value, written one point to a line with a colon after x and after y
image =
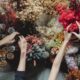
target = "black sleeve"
x: 20, y: 75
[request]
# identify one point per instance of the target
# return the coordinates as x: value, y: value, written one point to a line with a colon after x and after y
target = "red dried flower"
x: 34, y: 40
x: 11, y: 13
x: 60, y: 7
x: 69, y: 16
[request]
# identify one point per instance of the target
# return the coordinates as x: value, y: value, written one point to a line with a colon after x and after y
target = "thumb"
x: 77, y: 35
x: 78, y: 24
x: 68, y: 27
x: 12, y: 41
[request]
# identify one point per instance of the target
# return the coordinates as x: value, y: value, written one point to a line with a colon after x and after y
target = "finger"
x: 14, y: 34
x: 12, y: 41
x: 20, y: 37
x: 77, y: 35
x: 23, y: 38
x: 68, y: 27
x: 65, y: 33
x: 78, y: 24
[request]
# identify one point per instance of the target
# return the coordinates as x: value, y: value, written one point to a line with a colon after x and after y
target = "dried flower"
x: 33, y: 9
x: 70, y: 16
x: 33, y: 40
x: 36, y: 48
x: 74, y: 75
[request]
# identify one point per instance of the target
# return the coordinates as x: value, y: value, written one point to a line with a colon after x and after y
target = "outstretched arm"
x: 58, y: 59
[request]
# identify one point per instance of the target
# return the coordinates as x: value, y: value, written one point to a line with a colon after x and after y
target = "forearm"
x: 4, y: 41
x: 21, y: 66
x: 1, y: 42
x: 22, y: 63
x: 57, y: 62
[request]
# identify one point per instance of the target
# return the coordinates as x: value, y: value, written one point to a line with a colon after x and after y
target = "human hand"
x: 77, y: 35
x: 23, y: 46
x: 9, y: 39
x: 67, y: 35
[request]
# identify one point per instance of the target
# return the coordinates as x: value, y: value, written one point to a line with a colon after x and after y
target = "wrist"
x: 22, y: 59
x: 68, y: 38
x: 23, y: 51
x: 23, y: 55
x: 22, y: 65
x: 66, y: 41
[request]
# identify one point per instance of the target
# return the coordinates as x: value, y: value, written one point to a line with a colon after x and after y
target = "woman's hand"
x: 77, y: 35
x: 8, y: 39
x: 67, y: 35
x: 23, y: 46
